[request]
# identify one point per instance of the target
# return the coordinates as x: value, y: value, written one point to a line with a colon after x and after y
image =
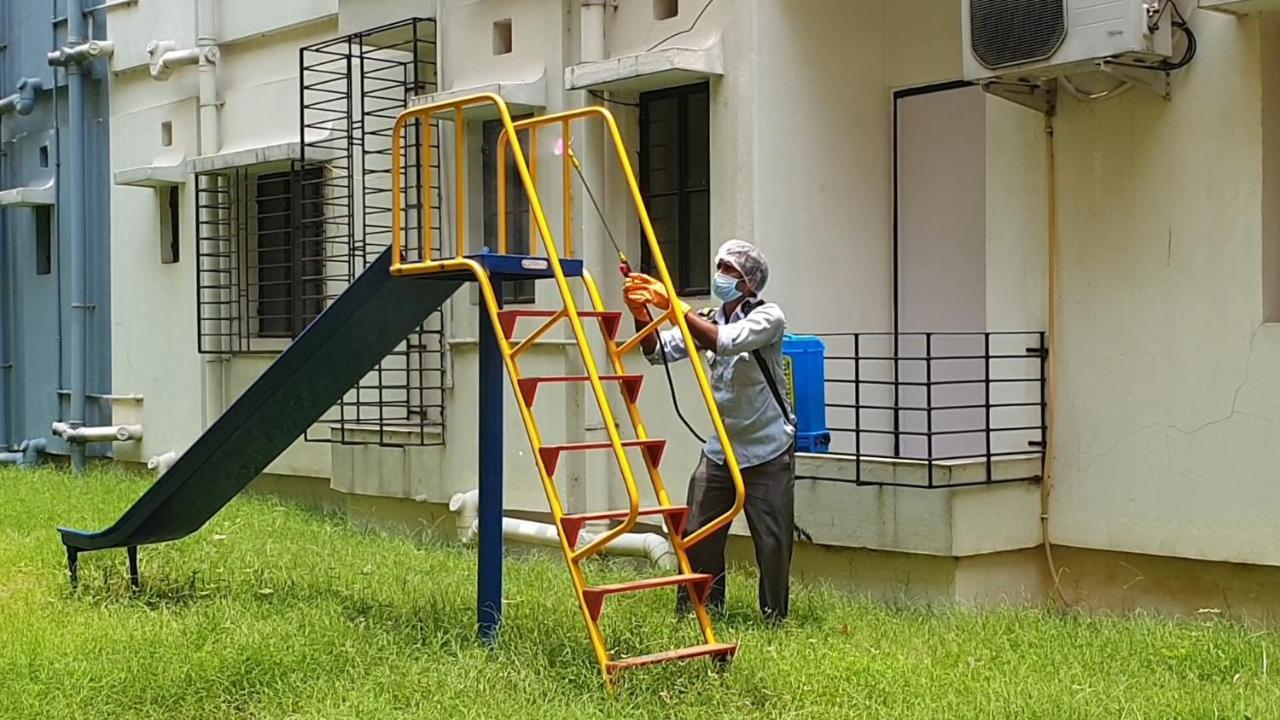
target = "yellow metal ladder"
x: 591, y: 598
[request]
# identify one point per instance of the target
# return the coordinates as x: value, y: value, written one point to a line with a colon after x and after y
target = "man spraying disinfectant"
x: 742, y: 342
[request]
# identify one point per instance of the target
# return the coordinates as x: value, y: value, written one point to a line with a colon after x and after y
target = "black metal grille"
x: 265, y: 267
x: 1012, y: 32
x: 353, y: 88
x: 935, y: 398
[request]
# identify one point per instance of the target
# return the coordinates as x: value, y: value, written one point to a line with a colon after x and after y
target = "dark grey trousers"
x: 770, y: 511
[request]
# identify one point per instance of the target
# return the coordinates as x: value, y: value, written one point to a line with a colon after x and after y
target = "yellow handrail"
x: 700, y: 372
x: 401, y: 268
x: 428, y: 265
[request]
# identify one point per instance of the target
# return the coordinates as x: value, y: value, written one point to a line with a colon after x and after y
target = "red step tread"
x: 550, y: 454
x: 529, y: 385
x: 593, y: 597
x: 572, y: 524
x: 612, y: 319
x: 724, y: 651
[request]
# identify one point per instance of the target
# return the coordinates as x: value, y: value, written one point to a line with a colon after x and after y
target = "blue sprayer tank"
x: 805, y: 386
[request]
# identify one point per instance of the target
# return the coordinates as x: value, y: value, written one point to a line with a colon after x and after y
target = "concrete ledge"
x: 651, y: 70
x: 372, y: 434
x: 943, y: 521
x: 258, y: 155
x: 163, y: 172
x: 30, y: 196
x: 523, y: 97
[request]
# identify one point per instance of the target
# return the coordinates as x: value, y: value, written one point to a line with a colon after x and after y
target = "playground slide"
x: 348, y: 339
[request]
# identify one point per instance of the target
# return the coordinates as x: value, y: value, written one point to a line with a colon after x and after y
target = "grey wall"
x: 37, y: 306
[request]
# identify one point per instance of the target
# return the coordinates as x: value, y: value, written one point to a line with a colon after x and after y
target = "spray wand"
x: 624, y: 267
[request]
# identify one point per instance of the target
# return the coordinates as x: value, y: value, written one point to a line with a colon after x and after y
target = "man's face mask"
x: 725, y: 287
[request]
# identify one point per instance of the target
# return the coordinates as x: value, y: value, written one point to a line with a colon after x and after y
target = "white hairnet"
x: 748, y: 260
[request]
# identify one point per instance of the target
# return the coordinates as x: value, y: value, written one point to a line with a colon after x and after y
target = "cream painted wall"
x: 154, y: 331
x: 1168, y: 379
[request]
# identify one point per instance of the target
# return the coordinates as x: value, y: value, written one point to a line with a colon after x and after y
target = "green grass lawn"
x: 276, y: 612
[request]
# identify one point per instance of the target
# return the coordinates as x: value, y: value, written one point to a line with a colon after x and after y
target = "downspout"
x: 6, y: 366
x: 22, y: 102
x: 210, y: 143
x: 589, y: 147
x: 78, y: 51
x: 166, y: 58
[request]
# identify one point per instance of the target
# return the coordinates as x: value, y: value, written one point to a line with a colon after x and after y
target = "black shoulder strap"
x: 747, y: 307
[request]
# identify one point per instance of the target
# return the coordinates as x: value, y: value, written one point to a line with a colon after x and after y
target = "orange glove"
x: 643, y: 287
x: 635, y: 293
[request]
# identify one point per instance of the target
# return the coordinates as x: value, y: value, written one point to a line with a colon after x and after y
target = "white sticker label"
x: 532, y: 264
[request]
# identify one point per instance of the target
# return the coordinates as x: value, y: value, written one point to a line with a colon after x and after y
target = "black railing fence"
x: 937, y: 398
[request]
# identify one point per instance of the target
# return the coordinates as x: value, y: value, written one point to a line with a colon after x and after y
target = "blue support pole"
x: 489, y: 564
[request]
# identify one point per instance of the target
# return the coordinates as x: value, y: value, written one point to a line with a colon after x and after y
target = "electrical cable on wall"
x: 1180, y: 24
x: 685, y: 31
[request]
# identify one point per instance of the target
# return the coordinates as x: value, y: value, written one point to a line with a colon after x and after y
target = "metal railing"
x: 938, y: 399
x: 352, y: 89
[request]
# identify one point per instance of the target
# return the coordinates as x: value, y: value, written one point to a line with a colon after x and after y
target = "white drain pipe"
x: 652, y: 546
x: 162, y: 463
x: 106, y: 433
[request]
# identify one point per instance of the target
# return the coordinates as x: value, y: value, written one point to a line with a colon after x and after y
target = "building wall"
x: 1165, y: 422
x: 38, y: 307
x: 1168, y: 374
x: 258, y: 89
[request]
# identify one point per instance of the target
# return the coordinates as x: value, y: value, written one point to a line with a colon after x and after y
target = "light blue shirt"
x: 756, y: 425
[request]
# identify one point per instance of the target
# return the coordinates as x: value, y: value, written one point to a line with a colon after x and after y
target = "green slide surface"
x: 347, y: 340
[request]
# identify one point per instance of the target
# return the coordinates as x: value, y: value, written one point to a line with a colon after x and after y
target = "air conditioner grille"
x: 1012, y: 32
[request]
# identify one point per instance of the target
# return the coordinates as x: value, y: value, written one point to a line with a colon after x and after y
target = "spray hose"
x: 624, y: 267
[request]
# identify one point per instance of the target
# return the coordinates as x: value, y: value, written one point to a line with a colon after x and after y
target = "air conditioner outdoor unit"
x: 1032, y: 42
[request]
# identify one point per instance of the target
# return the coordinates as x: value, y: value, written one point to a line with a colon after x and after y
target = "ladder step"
x: 550, y: 454
x: 529, y: 385
x: 611, y: 320
x: 593, y: 597
x: 676, y: 515
x: 720, y: 651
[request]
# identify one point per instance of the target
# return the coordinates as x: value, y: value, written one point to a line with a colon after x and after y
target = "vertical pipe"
x: 489, y: 560
x: 209, y: 143
x: 5, y: 290
x: 6, y: 286
x: 75, y: 224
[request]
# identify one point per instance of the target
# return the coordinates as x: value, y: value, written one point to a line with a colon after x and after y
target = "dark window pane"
x: 44, y: 239
x: 662, y: 144
x: 664, y: 213
x: 675, y: 178
x: 517, y: 213
x: 289, y: 269
x: 698, y: 281
x: 697, y: 138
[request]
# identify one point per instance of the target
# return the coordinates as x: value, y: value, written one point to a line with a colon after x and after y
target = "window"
x: 289, y: 257
x: 260, y: 253
x: 169, y: 198
x: 675, y: 179
x: 44, y: 239
x: 514, y: 291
